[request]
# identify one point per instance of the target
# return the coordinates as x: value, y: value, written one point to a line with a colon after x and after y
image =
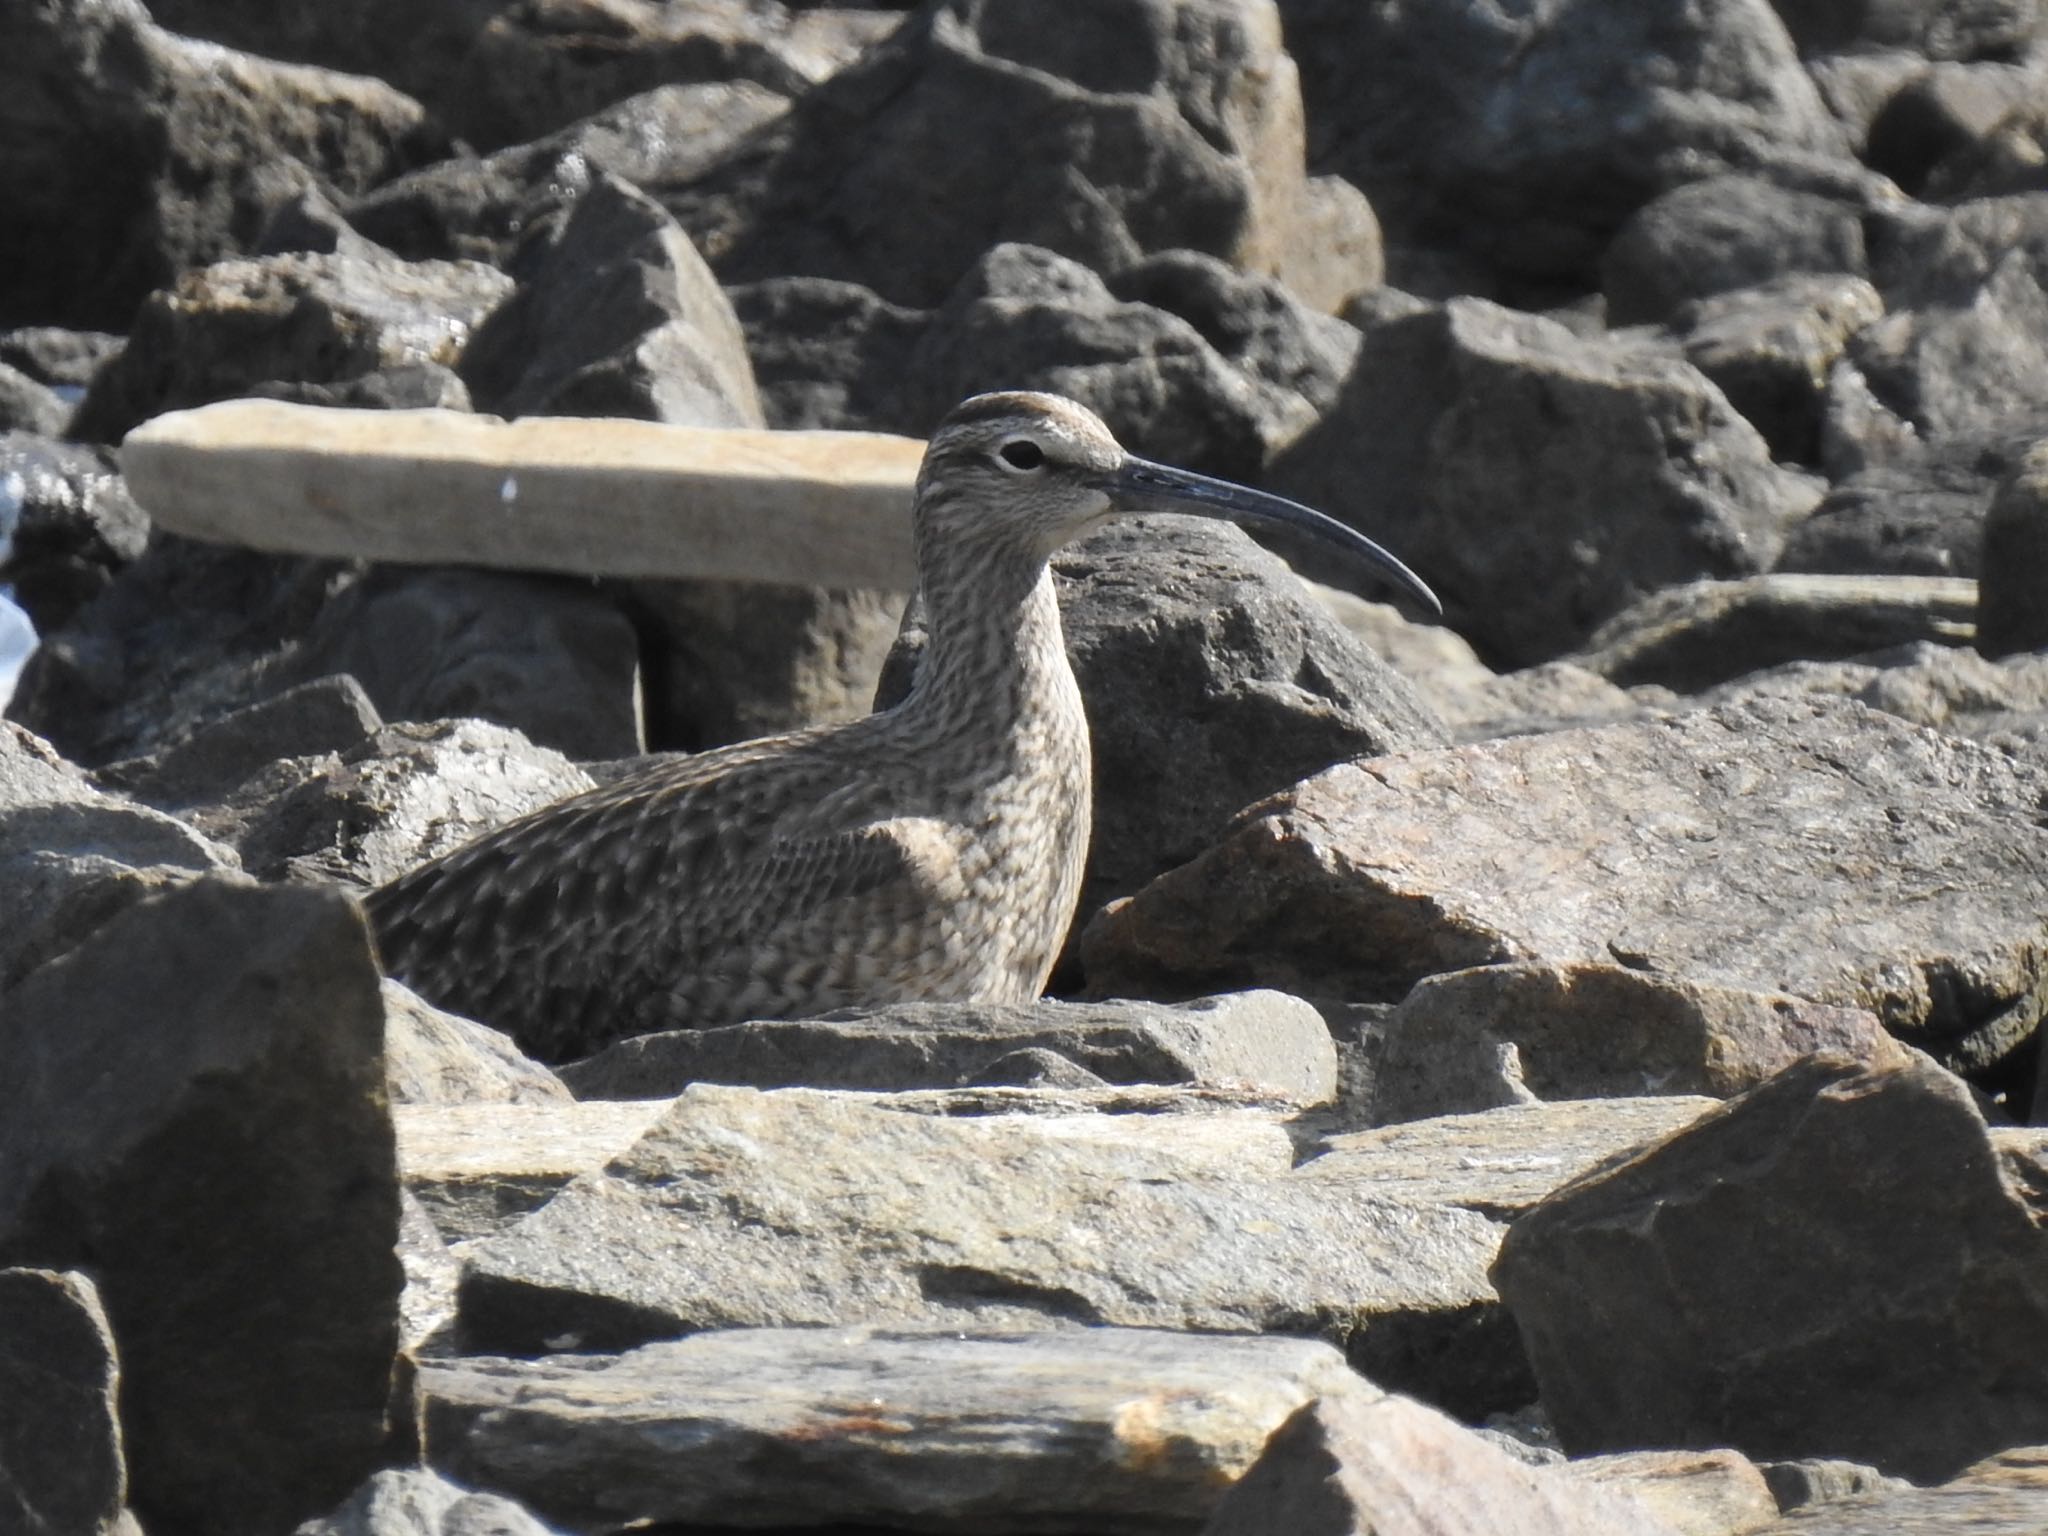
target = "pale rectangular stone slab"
x: 479, y: 1167
x: 585, y: 496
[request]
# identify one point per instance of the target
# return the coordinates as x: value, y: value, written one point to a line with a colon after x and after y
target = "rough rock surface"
x: 60, y: 1438
x: 1801, y: 846
x: 415, y: 1501
x: 1357, y: 1462
x: 435, y: 1057
x: 1505, y: 1034
x: 1113, y: 1429
x: 195, y: 1108
x: 71, y: 523
x: 1266, y: 1041
x: 146, y: 153
x: 1840, y: 1262
x: 307, y: 318
x: 71, y: 856
x: 1540, y: 481
x: 2003, y: 1495
x: 2012, y: 601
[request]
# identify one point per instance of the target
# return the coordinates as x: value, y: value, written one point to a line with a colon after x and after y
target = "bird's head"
x: 1030, y: 472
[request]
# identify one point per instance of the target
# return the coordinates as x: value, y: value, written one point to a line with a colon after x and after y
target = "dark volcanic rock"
x: 1939, y: 29
x: 60, y: 1441
x: 299, y: 318
x: 196, y: 1110
x: 1801, y: 846
x: 1722, y: 234
x: 1540, y: 482
x: 2012, y: 601
x: 73, y: 524
x: 1526, y: 137
x: 828, y: 353
x: 1839, y: 1263
x: 1098, y: 130
x: 619, y: 318
x: 136, y: 154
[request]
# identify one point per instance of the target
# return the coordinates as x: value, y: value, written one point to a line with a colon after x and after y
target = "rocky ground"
x: 1577, y: 1069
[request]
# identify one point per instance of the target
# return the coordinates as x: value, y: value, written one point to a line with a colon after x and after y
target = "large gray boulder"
x: 1806, y: 846
x: 1843, y: 1262
x: 1541, y: 481
x: 195, y: 1108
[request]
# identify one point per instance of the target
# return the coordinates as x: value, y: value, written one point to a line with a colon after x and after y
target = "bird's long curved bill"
x: 1138, y: 485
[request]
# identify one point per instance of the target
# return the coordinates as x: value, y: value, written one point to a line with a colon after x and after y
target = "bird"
x: 932, y: 851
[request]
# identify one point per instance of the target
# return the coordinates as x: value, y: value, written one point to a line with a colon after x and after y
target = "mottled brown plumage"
x: 934, y: 851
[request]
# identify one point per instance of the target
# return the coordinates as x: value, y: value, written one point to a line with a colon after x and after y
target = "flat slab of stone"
x: 1807, y: 846
x: 1107, y: 1429
x: 1266, y: 1041
x: 477, y: 1168
x: 588, y: 496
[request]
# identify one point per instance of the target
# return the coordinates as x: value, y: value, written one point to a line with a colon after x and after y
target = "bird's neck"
x: 995, y: 659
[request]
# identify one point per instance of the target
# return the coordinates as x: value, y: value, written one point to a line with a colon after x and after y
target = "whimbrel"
x: 932, y: 851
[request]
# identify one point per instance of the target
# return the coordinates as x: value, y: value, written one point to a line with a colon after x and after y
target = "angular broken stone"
x: 1262, y: 1040
x: 194, y: 1106
x: 432, y: 1056
x: 414, y: 1501
x: 61, y: 1470
x: 1505, y: 1034
x: 1697, y: 1493
x: 1105, y: 1429
x: 1803, y: 846
x: 1840, y: 1263
x: 1357, y: 1463
x: 2003, y: 1495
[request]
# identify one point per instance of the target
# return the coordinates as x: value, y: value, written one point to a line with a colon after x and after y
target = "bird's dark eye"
x: 1022, y: 453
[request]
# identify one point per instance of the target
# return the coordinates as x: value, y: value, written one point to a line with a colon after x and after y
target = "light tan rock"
x: 1696, y: 1493
x: 592, y: 497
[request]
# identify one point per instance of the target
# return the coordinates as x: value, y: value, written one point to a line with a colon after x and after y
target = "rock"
x: 1524, y: 141
x: 1964, y: 365
x: 1937, y: 29
x: 1694, y: 1493
x: 531, y: 68
x: 828, y: 353
x: 72, y: 522
x: 1115, y: 1429
x: 2005, y: 161
x: 1944, y: 115
x: 399, y: 387
x: 196, y: 1109
x: 426, y: 1307
x: 57, y: 356
x: 592, y: 498
x: 1721, y: 235
x: 732, y: 660
x: 475, y: 1168
x: 1823, y: 1480
x: 415, y: 1501
x: 177, y: 639
x: 405, y: 794
x: 1356, y: 1462
x: 1446, y: 406
x: 2012, y: 614
x: 486, y: 208
x: 1918, y: 511
x: 1338, y: 252
x: 1506, y: 1034
x: 1026, y: 318
x: 1551, y: 696
x: 26, y: 406
x: 72, y: 857
x: 60, y: 1438
x: 1772, y: 350
x: 2003, y: 1495
x: 1706, y: 633
x: 1109, y: 131
x: 545, y: 656
x: 741, y: 1208
x: 218, y: 331
x: 1886, y: 867
x: 145, y: 153
x: 435, y: 1057
x: 329, y: 714
x: 1264, y: 1040
x: 1838, y: 1264
x: 620, y: 317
